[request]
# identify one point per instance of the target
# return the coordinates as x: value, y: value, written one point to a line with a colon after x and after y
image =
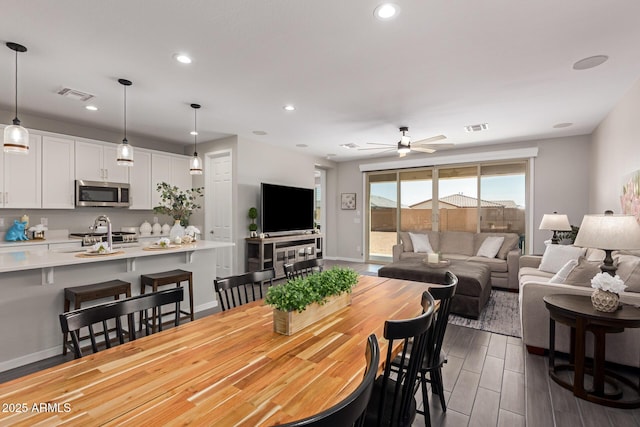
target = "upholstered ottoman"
x: 474, y: 281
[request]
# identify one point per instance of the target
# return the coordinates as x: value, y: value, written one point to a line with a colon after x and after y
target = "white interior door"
x: 219, y: 207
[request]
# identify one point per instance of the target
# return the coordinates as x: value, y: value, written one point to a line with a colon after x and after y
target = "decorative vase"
x: 605, y: 301
x: 166, y: 228
x: 157, y: 228
x: 145, y: 229
x: 176, y: 231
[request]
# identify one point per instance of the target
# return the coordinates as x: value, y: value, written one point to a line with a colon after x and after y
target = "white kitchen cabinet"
x: 58, y: 186
x: 97, y: 162
x: 21, y: 177
x: 140, y: 188
x: 172, y: 169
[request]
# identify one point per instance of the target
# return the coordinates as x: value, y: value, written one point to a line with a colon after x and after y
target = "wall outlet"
x: 358, y: 248
x: 1, y: 222
x: 44, y: 221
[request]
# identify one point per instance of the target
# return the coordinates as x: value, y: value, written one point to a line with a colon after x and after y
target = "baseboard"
x: 538, y: 351
x: 344, y: 259
x: 206, y: 306
x: 30, y: 358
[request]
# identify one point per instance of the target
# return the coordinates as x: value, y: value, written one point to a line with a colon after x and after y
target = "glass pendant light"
x: 125, y: 151
x: 195, y: 165
x: 16, y: 138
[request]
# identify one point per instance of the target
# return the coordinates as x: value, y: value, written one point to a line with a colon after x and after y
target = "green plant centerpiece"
x: 302, y: 301
x: 253, y: 227
x: 177, y: 203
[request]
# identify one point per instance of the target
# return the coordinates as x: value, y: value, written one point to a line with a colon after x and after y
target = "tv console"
x: 280, y: 250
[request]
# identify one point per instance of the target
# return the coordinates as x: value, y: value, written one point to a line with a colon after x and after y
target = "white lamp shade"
x: 195, y: 165
x: 16, y: 140
x: 125, y: 155
x: 555, y: 222
x: 609, y: 232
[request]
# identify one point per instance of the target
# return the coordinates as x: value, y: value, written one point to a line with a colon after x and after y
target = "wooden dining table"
x: 225, y: 369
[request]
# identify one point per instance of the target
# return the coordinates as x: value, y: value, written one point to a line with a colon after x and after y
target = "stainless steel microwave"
x: 98, y: 193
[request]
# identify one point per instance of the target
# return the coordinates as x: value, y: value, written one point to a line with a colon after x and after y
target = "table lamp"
x: 609, y: 232
x: 555, y: 222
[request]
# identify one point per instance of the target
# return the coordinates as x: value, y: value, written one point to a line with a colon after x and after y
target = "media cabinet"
x: 278, y: 251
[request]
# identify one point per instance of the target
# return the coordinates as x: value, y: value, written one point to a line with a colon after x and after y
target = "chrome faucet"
x: 109, y: 236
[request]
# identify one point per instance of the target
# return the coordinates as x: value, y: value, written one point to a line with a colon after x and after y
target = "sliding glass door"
x: 383, y: 215
x: 458, y: 199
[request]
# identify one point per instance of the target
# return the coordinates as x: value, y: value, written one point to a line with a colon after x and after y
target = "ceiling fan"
x: 404, y: 146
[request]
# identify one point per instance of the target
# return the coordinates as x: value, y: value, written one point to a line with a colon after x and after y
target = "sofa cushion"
x: 497, y: 265
x: 533, y: 271
x: 510, y: 242
x: 490, y: 247
x: 562, y: 274
x: 582, y: 273
x: 556, y: 256
x: 629, y: 271
x: 420, y: 242
x: 457, y: 242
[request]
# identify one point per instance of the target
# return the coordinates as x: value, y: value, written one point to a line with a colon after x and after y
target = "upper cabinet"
x: 97, y: 162
x: 58, y: 186
x: 172, y: 169
x: 21, y: 177
x: 140, y: 189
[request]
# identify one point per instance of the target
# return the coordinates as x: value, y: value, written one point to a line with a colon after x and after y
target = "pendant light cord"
x: 195, y: 129
x: 16, y: 117
x: 125, y: 113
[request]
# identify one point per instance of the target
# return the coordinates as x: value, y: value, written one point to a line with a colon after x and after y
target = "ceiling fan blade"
x: 423, y: 150
x: 377, y: 143
x: 430, y: 140
x: 385, y: 151
x: 439, y: 146
x: 387, y: 147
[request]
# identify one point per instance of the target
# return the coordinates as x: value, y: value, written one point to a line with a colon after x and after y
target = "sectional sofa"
x: 538, y: 279
x: 467, y: 246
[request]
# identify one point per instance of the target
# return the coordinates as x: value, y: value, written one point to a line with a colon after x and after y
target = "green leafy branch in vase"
x: 177, y: 203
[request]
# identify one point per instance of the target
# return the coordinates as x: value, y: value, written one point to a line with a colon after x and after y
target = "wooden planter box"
x: 290, y: 322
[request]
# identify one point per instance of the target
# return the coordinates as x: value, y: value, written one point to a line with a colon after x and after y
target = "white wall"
x: 615, y: 153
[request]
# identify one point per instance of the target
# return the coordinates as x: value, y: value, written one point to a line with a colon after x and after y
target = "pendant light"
x: 195, y: 165
x: 16, y: 138
x: 125, y: 151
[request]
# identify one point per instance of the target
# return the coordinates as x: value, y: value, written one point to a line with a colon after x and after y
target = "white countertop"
x: 27, y: 259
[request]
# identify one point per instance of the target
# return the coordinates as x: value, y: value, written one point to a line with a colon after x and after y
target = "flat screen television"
x: 286, y: 209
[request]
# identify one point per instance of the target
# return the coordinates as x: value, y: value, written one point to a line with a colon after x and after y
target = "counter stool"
x: 80, y: 294
x: 166, y: 278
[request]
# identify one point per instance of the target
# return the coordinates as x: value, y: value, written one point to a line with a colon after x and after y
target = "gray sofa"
x: 623, y: 348
x: 463, y: 245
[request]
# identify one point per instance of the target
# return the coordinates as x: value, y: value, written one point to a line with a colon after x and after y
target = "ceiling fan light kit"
x: 16, y: 137
x: 404, y: 147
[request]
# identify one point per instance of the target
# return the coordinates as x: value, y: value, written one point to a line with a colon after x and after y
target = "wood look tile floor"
x: 489, y: 380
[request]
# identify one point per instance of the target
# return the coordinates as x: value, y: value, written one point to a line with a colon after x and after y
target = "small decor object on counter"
x: 606, y: 296
x: 145, y: 229
x: 186, y: 239
x: 176, y: 231
x: 100, y: 248
x: 178, y: 240
x: 192, y: 232
x: 156, y: 229
x: 16, y: 232
x: 37, y: 232
x: 164, y: 242
x: 177, y: 203
x: 166, y: 228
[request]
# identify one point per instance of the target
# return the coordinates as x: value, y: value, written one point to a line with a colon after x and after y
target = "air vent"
x: 75, y: 94
x: 476, y: 128
x: 349, y: 145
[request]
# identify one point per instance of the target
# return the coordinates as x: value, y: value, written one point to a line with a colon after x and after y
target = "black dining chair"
x: 350, y: 411
x: 303, y: 268
x: 392, y: 401
x: 234, y: 291
x: 71, y: 322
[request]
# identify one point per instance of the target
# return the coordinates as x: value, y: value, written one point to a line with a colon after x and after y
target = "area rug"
x: 501, y: 315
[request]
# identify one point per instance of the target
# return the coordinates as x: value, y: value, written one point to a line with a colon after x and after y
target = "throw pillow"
x: 582, y: 273
x: 628, y: 268
x: 561, y: 275
x: 490, y: 247
x: 421, y: 243
x: 556, y: 256
x: 406, y: 241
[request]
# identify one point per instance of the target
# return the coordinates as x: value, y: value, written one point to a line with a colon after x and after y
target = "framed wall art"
x: 348, y: 201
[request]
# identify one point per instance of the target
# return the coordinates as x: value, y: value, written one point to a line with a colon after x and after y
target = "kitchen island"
x: 32, y: 283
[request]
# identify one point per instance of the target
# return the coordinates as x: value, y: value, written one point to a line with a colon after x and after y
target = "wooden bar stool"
x: 166, y: 278
x: 96, y: 291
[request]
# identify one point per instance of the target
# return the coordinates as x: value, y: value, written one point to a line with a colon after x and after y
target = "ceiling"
x: 436, y: 67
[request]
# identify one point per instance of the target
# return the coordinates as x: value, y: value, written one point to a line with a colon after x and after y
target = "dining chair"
x: 72, y: 321
x: 434, y: 357
x: 303, y: 268
x: 350, y: 411
x: 234, y: 291
x: 392, y: 401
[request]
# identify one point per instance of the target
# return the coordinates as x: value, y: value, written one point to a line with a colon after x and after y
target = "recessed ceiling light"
x: 259, y: 132
x: 562, y: 125
x: 386, y: 11
x: 302, y: 145
x: 193, y: 132
x: 477, y: 128
x: 289, y: 107
x: 182, y: 58
x: 91, y: 107
x: 590, y: 62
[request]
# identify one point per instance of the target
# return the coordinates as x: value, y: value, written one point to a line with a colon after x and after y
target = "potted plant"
x: 302, y: 301
x: 178, y: 204
x: 253, y: 227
